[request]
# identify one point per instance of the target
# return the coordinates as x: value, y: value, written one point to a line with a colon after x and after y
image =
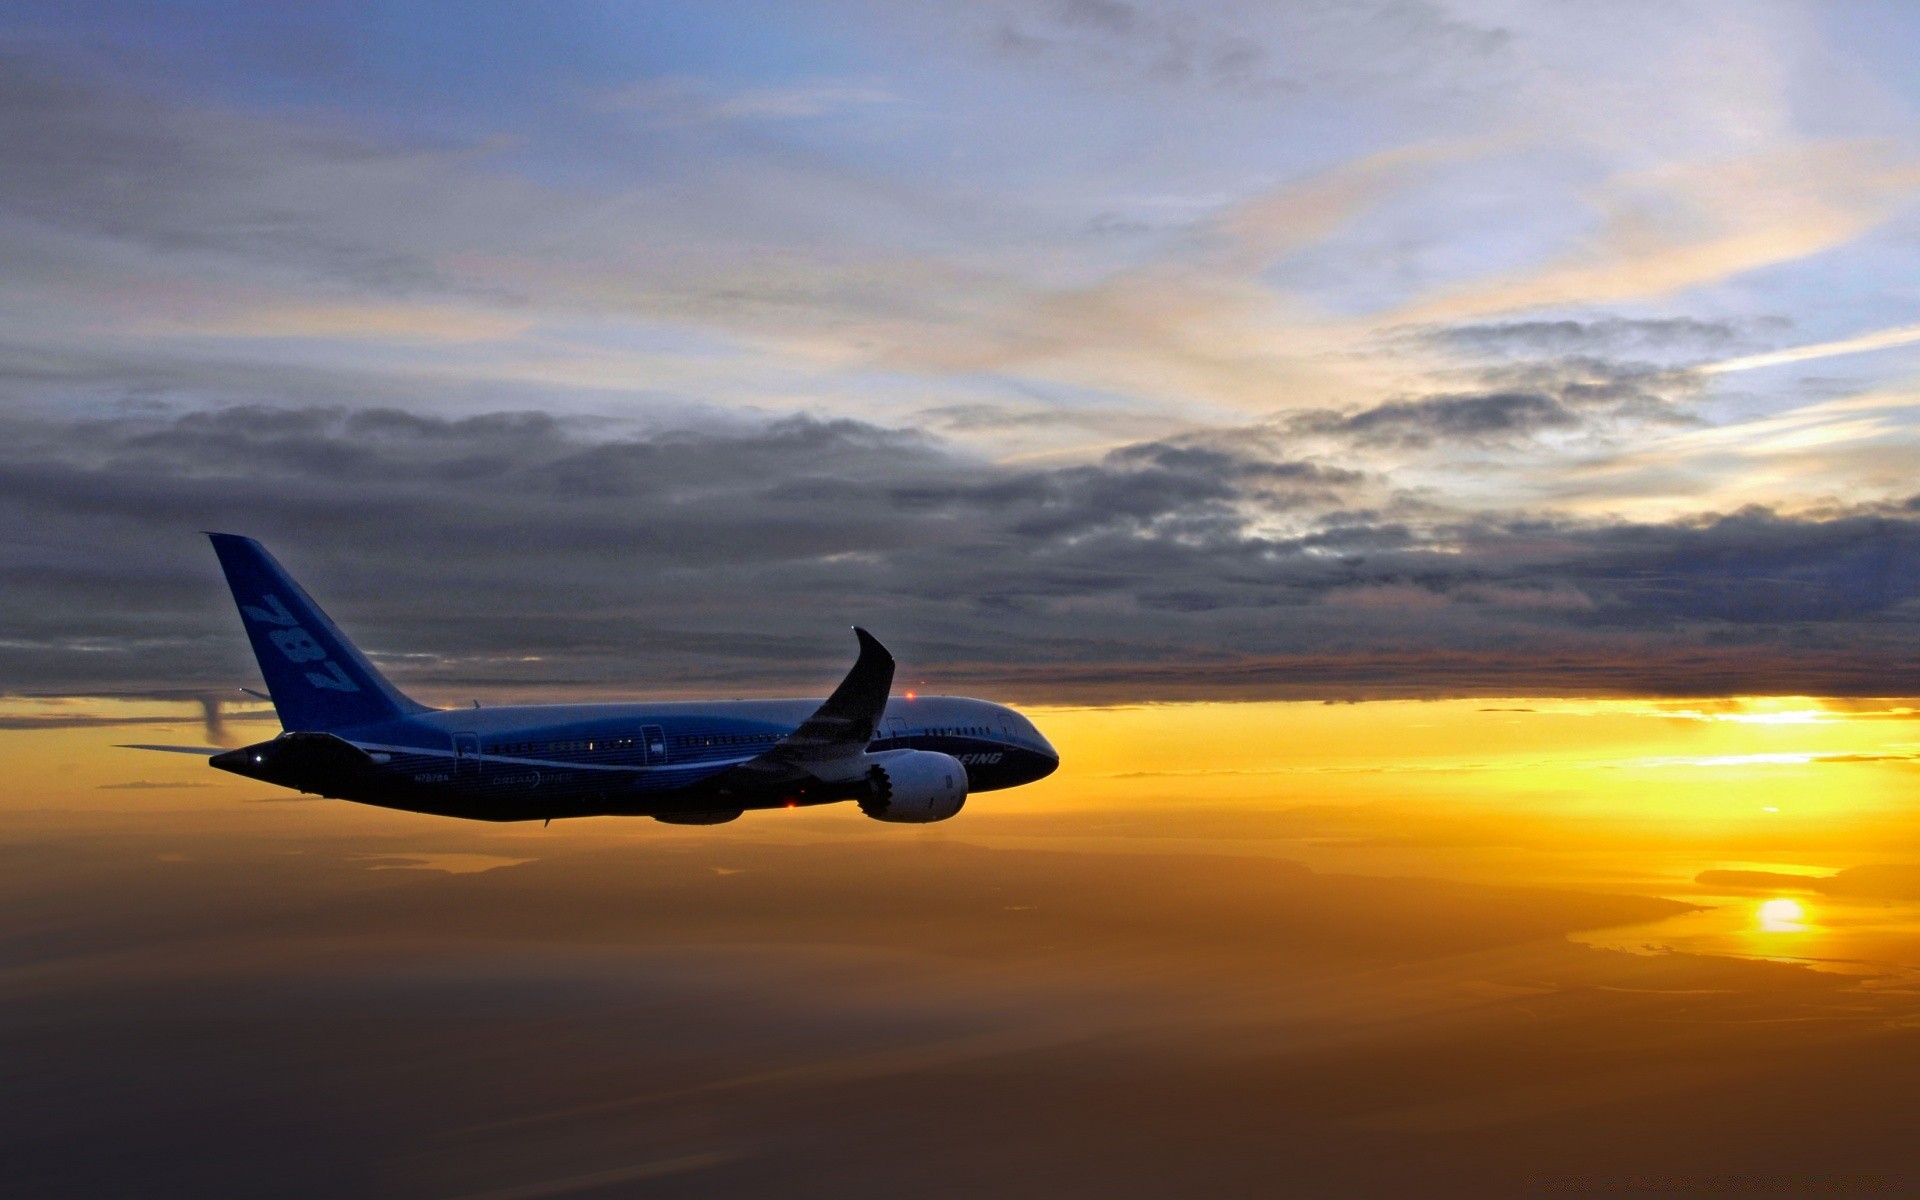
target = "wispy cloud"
x: 686, y: 99
x: 1683, y: 225
x: 1883, y: 339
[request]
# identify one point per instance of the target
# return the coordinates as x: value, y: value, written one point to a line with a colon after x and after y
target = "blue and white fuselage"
x: 352, y: 735
x: 526, y: 762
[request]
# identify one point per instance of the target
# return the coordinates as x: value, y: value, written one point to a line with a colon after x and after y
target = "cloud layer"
x: 700, y: 1016
x: 516, y: 549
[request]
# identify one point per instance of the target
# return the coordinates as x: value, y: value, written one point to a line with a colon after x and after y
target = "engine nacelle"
x: 914, y: 786
x: 719, y: 816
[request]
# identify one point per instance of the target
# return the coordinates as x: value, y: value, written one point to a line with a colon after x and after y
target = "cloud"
x: 520, y: 551
x: 1209, y: 318
x: 1889, y: 881
x: 1036, y: 419
x: 1195, y: 324
x: 689, y: 100
x: 1464, y: 418
x: 151, y: 785
x: 803, y: 101
x: 617, y: 1011
x: 101, y: 178
x: 1682, y: 225
x: 1249, y: 52
x: 201, y: 246
x: 49, y: 721
x: 1814, y: 457
x: 1612, y: 337
x: 1589, y: 396
x: 1882, y: 339
x: 1419, y: 488
x: 371, y: 321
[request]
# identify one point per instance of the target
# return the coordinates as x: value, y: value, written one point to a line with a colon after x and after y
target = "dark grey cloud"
x: 1755, y: 566
x: 1151, y: 487
x: 518, y: 551
x: 1513, y: 403
x: 1452, y: 418
x: 1625, y: 338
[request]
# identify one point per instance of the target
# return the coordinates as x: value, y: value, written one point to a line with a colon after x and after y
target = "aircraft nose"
x: 1031, y: 747
x: 1048, y: 756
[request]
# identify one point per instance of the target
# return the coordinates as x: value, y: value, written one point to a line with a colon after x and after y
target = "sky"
x: 1450, y: 948
x: 1101, y: 351
x: 1440, y: 472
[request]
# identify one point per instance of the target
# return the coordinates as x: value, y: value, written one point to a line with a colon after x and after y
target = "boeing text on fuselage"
x: 350, y: 734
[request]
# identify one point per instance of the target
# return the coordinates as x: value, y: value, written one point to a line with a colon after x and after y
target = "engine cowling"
x: 914, y: 786
x: 719, y: 816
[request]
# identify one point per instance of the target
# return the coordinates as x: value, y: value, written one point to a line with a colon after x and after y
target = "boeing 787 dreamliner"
x: 351, y: 735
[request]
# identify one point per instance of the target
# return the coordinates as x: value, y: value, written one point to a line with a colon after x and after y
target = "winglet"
x: 866, y: 687
x: 852, y: 713
x: 832, y: 743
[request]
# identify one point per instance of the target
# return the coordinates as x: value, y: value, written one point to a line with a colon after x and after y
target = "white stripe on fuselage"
x: 382, y: 748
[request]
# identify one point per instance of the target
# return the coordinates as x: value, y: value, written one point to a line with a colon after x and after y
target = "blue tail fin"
x: 319, y: 681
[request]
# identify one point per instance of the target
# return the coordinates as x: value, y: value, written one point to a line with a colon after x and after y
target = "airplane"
x: 349, y: 734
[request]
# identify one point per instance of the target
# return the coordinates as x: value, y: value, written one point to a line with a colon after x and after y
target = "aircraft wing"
x: 830, y: 746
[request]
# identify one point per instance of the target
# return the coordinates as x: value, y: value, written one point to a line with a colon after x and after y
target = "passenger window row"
x: 701, y: 740
x: 614, y: 743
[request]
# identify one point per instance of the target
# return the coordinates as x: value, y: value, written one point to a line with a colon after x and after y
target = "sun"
x: 1781, y: 915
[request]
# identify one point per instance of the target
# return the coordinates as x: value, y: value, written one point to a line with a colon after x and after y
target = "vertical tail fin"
x: 318, y: 679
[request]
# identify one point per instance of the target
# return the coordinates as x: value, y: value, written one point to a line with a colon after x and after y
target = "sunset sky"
x: 1443, y: 474
x: 1092, y: 349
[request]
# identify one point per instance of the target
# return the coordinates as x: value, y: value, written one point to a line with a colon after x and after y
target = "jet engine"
x: 712, y: 817
x: 914, y: 786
